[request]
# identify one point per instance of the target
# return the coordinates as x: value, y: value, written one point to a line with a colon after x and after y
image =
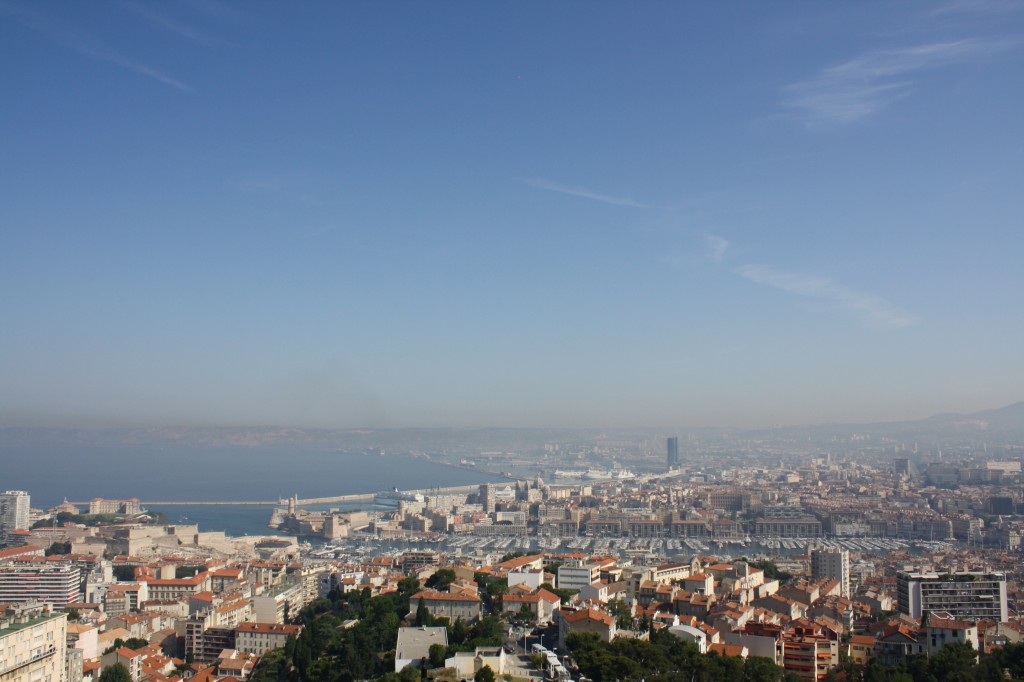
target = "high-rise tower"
x: 14, y: 505
x: 673, y: 453
x: 833, y: 564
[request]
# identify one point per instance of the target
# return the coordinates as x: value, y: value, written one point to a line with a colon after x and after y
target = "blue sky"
x: 596, y: 214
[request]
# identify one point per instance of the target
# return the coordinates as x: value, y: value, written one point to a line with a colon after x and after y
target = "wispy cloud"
x: 717, y: 246
x: 87, y: 44
x: 857, y: 88
x: 872, y: 309
x: 174, y: 26
x: 584, y: 193
x: 988, y: 7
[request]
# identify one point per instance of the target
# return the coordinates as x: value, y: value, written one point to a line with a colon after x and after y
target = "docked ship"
x: 609, y: 475
x: 393, y: 497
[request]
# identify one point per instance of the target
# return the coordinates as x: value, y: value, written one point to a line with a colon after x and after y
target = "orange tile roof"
x: 588, y: 614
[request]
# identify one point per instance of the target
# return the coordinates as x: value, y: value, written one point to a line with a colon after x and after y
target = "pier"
x: 336, y: 499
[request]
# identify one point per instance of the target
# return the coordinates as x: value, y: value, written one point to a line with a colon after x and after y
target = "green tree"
x: 458, y: 633
x: 134, y: 643
x: 58, y: 548
x: 955, y: 662
x: 488, y: 631
x: 771, y: 571
x: 124, y: 573
x: 524, y: 613
x: 484, y: 674
x: 761, y: 669
x: 622, y: 613
x: 441, y: 579
x: 563, y: 594
x: 410, y: 673
x: 437, y: 653
x: 408, y: 586
x: 115, y: 673
x: 423, y: 617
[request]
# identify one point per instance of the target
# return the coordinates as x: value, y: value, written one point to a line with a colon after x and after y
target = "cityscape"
x: 531, y: 341
x: 865, y: 556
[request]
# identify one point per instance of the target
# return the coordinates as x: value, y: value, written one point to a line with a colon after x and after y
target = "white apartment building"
x: 14, y: 511
x: 32, y: 644
x: 57, y: 585
x: 275, y: 604
x: 963, y: 595
x: 832, y: 563
x: 576, y: 577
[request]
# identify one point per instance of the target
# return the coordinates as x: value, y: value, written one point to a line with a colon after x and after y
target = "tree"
x: 115, y: 673
x: 124, y: 573
x: 955, y: 661
x: 437, y: 654
x: 441, y: 579
x: 58, y: 548
x: 761, y: 669
x: 622, y: 612
x: 458, y: 633
x: 488, y: 631
x: 484, y: 674
x: 771, y: 571
x: 422, y: 615
x: 408, y: 586
x: 552, y: 567
x: 134, y: 643
x: 564, y: 594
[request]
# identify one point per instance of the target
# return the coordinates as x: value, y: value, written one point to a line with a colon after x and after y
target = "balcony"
x: 38, y: 656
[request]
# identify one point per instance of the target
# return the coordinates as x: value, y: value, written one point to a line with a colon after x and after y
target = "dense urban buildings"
x: 801, y: 558
x: 973, y: 595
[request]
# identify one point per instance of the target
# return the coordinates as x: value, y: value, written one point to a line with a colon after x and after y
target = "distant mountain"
x: 1005, y: 424
x: 1000, y: 421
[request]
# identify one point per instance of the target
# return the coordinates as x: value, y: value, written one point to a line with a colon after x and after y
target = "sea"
x: 78, y: 474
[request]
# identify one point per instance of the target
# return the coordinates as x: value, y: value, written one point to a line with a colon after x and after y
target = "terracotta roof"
x: 17, y: 551
x: 520, y: 561
x: 588, y: 614
x: 434, y: 595
x: 726, y: 649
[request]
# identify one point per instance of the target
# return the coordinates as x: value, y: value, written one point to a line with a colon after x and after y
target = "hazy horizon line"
x: 271, y: 426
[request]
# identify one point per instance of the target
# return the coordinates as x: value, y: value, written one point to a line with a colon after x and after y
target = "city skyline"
x: 397, y: 215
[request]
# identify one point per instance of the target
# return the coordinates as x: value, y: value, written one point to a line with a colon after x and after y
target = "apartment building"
x: 259, y: 638
x: 178, y: 588
x: 833, y: 564
x: 276, y: 604
x: 14, y: 511
x: 574, y: 577
x: 451, y: 605
x: 57, y: 585
x: 33, y: 644
x: 963, y: 595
